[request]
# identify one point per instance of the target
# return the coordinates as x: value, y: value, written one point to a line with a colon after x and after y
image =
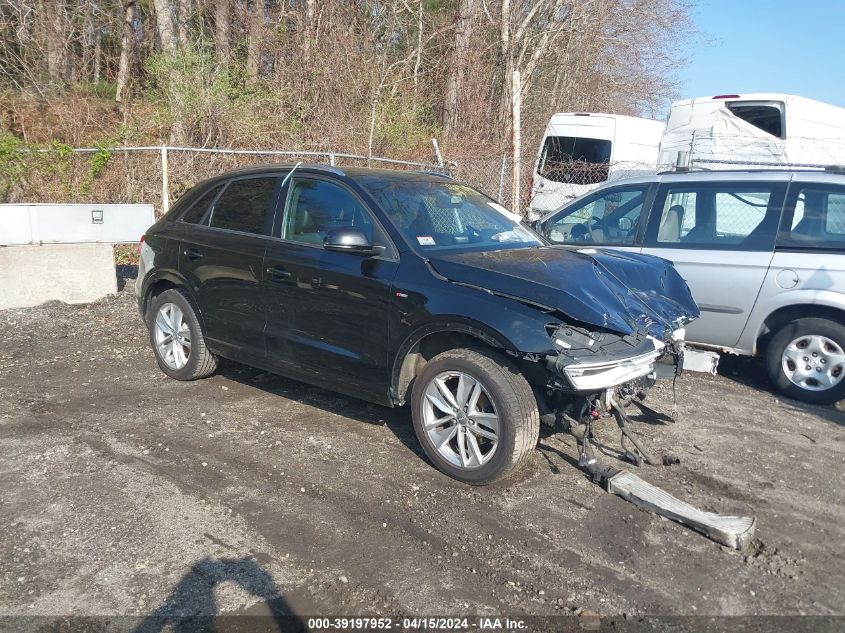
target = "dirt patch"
x: 124, y: 492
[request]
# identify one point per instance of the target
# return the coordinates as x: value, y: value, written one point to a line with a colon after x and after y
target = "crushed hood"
x: 617, y: 291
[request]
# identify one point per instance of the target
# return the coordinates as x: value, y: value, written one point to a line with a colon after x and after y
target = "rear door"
x: 327, y: 312
x: 809, y: 261
x: 221, y: 258
x: 720, y: 236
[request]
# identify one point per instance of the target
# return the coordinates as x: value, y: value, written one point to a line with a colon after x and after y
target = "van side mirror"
x: 349, y: 240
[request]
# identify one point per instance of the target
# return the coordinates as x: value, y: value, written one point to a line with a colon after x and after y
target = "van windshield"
x: 575, y: 160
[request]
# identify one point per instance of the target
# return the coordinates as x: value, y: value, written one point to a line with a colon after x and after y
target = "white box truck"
x: 581, y: 150
x: 754, y: 130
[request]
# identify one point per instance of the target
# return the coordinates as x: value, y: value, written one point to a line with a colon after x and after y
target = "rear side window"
x: 199, y: 210
x: 816, y: 219
x: 244, y: 205
x: 580, y: 161
x: 729, y: 216
x: 765, y: 116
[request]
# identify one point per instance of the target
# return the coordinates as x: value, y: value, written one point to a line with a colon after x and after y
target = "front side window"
x: 437, y: 215
x: 610, y: 219
x: 244, y: 205
x: 580, y: 161
x: 315, y: 207
x: 818, y: 219
x: 726, y: 216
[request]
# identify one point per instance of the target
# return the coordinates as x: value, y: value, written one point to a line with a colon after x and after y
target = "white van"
x: 753, y: 130
x: 581, y: 150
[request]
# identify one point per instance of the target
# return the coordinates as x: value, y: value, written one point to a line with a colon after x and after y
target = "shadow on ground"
x: 751, y: 372
x: 192, y: 608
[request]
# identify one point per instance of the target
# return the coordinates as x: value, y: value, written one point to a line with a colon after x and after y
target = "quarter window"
x: 199, y: 211
x: 244, y: 205
x: 730, y: 216
x: 609, y: 219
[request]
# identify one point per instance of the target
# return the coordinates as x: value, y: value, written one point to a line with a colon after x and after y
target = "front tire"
x: 177, y: 339
x: 475, y: 415
x: 806, y: 360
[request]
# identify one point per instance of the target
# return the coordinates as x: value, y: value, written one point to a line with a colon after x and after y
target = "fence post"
x: 165, y: 182
x: 516, y: 104
x: 502, y: 177
x: 437, y: 153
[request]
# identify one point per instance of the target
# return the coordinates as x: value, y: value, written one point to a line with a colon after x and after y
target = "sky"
x: 791, y: 46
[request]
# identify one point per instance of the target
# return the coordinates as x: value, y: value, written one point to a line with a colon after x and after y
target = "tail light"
x: 726, y: 97
x: 140, y: 244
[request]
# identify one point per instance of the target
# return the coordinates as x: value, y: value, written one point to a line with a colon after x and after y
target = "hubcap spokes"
x: 814, y: 362
x: 173, y: 337
x: 460, y: 419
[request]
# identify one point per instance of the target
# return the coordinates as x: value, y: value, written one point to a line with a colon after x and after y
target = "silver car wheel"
x: 814, y: 362
x: 460, y: 420
x: 172, y: 336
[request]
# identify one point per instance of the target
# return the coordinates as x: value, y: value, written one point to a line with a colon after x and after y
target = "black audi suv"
x: 404, y: 287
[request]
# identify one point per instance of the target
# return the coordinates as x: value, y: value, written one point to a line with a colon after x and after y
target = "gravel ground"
x: 123, y: 492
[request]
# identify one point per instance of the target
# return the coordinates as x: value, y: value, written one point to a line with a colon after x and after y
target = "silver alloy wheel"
x: 814, y: 362
x: 172, y: 335
x: 460, y: 419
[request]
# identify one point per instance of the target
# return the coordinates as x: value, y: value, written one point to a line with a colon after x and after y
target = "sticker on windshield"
x: 426, y: 240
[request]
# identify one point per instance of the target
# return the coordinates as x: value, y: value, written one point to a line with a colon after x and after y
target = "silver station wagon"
x: 762, y: 251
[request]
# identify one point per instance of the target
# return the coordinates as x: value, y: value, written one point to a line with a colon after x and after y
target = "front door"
x: 720, y: 236
x: 221, y: 258
x: 327, y: 312
x: 607, y: 218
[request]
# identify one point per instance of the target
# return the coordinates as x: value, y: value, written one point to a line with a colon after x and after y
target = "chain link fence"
x: 153, y: 175
x: 159, y: 175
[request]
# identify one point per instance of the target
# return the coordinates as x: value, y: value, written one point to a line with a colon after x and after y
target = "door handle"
x: 192, y: 253
x: 277, y: 273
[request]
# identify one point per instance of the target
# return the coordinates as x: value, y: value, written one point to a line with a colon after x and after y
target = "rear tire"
x: 177, y: 339
x: 491, y: 432
x: 807, y: 355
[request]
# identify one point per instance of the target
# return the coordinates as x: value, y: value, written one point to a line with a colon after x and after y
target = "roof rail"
x: 337, y: 171
x: 431, y: 172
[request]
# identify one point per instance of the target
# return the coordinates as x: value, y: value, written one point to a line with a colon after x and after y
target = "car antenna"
x: 290, y: 173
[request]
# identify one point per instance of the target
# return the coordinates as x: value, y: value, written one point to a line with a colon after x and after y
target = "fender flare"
x: 455, y: 325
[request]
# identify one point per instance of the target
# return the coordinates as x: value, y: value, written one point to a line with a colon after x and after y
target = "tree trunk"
x: 168, y: 33
x: 56, y: 15
x: 222, y: 26
x: 457, y: 68
x: 127, y: 51
x: 255, y: 28
x: 184, y: 15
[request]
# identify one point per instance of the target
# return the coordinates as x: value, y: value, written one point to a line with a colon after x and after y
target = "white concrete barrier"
x: 73, y: 223
x: 73, y: 273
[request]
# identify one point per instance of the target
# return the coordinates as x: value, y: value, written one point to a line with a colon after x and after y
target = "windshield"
x: 436, y: 216
x: 580, y: 161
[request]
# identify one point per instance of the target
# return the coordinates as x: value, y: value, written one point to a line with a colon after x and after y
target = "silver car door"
x: 808, y: 267
x: 720, y: 236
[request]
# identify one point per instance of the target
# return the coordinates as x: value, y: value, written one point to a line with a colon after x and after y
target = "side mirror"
x: 349, y: 240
